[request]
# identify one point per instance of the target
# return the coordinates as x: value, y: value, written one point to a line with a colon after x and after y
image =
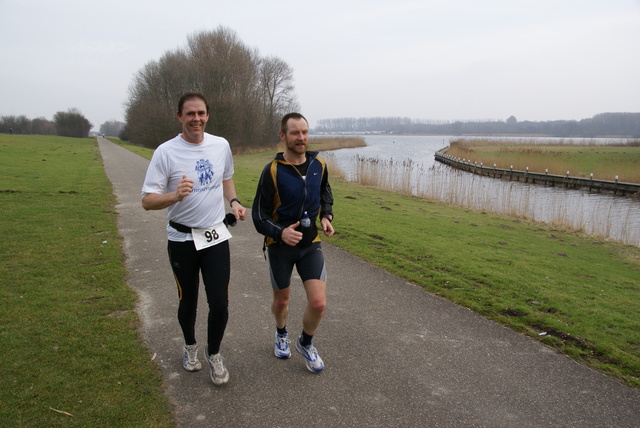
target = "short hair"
x: 190, y: 96
x: 285, y: 119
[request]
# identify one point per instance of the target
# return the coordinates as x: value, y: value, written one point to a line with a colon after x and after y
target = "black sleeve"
x: 326, y: 196
x: 262, y: 209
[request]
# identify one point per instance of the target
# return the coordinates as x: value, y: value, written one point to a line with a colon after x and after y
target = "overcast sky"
x: 423, y: 59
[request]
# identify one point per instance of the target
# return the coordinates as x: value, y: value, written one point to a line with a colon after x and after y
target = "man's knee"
x: 316, y: 295
x: 281, y: 298
x: 219, y: 305
x: 317, y: 304
x: 280, y: 304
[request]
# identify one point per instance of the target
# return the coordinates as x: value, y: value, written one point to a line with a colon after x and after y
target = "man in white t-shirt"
x: 191, y: 175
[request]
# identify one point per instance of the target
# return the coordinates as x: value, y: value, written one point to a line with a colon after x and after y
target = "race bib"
x: 210, y: 236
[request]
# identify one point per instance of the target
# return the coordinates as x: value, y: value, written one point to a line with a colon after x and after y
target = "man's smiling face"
x: 194, y: 119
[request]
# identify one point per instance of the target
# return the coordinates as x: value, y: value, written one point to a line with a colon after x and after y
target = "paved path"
x: 394, y: 354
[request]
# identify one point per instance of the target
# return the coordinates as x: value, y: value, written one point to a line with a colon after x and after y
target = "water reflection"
x: 406, y: 164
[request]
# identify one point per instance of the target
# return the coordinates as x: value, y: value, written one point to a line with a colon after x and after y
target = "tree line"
x: 600, y: 125
x: 247, y: 93
x: 112, y: 128
x: 70, y: 123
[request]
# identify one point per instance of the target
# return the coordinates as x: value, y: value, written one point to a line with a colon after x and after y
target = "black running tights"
x: 214, y: 264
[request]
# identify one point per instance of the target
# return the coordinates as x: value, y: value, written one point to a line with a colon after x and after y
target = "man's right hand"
x: 185, y: 187
x: 156, y: 201
x: 290, y: 235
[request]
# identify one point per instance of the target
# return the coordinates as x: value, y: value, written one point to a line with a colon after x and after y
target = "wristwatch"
x: 234, y: 200
x: 329, y: 217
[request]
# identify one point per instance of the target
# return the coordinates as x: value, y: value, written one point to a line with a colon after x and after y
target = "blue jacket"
x: 283, y: 195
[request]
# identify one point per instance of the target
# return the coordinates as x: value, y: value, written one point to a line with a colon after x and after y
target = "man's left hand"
x: 239, y: 211
x: 327, y: 227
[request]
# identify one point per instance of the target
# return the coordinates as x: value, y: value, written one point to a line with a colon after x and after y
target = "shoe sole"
x: 218, y: 381
x: 281, y: 356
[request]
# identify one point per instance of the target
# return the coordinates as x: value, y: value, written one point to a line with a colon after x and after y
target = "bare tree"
x: 227, y: 72
x: 230, y: 75
x: 153, y: 99
x: 112, y: 128
x: 42, y: 126
x: 15, y: 124
x: 276, y: 82
x: 23, y: 125
x: 72, y: 124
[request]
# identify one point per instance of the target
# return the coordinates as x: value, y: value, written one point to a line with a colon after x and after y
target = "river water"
x: 407, y: 164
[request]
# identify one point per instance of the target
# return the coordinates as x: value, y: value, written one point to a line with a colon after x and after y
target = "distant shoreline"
x: 323, y: 134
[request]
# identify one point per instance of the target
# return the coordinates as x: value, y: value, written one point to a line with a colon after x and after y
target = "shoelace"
x: 311, y: 352
x: 192, y: 353
x: 218, y: 366
x: 282, y: 342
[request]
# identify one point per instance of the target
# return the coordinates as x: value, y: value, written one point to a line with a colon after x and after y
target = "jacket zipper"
x: 304, y: 201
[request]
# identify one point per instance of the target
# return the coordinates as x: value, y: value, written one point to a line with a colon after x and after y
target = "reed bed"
x: 334, y: 143
x: 616, y: 219
x: 605, y: 159
x: 331, y: 143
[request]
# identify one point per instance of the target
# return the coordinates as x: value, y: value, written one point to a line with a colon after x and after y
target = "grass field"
x: 72, y: 352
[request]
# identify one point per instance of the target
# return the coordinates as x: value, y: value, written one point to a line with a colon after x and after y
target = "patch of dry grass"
x: 579, y: 158
x: 331, y: 143
x: 334, y: 143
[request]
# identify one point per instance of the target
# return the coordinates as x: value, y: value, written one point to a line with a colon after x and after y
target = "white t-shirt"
x: 208, y: 164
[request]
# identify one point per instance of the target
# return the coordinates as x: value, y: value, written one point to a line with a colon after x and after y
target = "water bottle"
x: 305, y: 221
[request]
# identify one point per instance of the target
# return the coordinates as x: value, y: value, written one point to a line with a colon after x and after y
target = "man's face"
x: 194, y: 118
x: 297, y: 136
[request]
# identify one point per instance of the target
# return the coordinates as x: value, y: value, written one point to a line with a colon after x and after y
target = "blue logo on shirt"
x: 205, y: 171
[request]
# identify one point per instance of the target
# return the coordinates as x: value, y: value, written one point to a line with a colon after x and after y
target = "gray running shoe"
x: 219, y: 372
x: 190, y: 360
x: 310, y: 354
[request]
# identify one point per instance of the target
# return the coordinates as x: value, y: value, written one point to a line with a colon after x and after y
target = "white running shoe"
x: 190, y: 360
x: 310, y: 354
x: 219, y: 372
x: 282, y: 350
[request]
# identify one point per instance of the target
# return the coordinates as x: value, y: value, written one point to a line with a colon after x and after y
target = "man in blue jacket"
x: 293, y: 189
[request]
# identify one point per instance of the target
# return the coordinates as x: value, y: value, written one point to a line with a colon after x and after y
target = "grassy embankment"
x: 580, y: 159
x: 72, y: 355
x: 68, y: 316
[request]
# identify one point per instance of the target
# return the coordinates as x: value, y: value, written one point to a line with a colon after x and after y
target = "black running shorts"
x: 309, y: 262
